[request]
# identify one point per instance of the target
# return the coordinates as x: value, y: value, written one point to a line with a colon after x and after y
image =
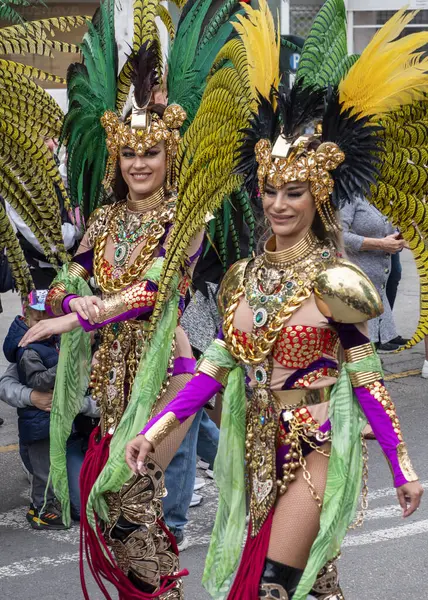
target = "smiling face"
x: 144, y: 175
x: 289, y: 210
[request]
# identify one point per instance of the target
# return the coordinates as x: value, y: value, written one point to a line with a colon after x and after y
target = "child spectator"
x: 37, y: 364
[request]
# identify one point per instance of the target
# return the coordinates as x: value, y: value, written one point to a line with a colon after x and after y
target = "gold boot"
x: 326, y: 586
x: 272, y: 591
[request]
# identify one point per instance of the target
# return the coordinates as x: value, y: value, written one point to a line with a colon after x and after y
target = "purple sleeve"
x: 383, y: 429
x: 66, y: 303
x: 349, y: 335
x: 198, y: 391
x: 133, y: 313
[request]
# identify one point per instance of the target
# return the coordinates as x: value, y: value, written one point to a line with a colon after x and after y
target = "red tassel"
x: 250, y: 571
x: 93, y: 545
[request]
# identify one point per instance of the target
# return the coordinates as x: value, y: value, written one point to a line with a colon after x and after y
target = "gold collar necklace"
x: 296, y: 253
x: 145, y: 204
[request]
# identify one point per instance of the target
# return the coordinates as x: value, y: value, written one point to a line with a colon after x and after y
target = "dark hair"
x: 120, y: 187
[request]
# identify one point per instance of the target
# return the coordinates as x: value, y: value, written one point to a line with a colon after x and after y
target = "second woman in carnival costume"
x: 123, y: 535
x: 349, y: 127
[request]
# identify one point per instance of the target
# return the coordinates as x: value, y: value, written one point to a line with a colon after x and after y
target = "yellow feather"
x: 390, y: 72
x: 262, y: 46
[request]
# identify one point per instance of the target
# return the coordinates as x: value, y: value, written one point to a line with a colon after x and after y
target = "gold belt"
x: 290, y: 399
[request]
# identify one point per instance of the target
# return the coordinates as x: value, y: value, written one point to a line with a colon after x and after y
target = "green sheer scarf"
x: 148, y: 382
x: 71, y: 382
x: 344, y: 473
x: 229, y: 472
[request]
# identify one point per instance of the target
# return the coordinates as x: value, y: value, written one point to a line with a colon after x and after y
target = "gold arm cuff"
x: 405, y: 462
x: 364, y: 378
x: 114, y: 305
x: 221, y: 343
x: 220, y: 374
x: 161, y: 429
x: 77, y: 270
x: 359, y: 352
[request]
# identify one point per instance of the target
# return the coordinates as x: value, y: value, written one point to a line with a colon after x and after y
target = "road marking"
x: 383, y: 512
x: 9, y: 448
x: 410, y: 373
x: 384, y: 535
x: 32, y: 565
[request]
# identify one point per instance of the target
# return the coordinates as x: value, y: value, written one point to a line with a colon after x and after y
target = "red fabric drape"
x: 250, y: 571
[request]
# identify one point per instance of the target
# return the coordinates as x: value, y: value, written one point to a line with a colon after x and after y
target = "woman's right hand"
x: 136, y: 454
x: 88, y: 307
x: 392, y: 244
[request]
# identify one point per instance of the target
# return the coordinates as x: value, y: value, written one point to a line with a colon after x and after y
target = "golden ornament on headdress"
x: 143, y: 131
x: 292, y: 161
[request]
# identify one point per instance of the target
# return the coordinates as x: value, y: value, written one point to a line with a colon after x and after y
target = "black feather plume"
x: 299, y: 108
x: 362, y: 145
x: 263, y: 125
x: 144, y: 77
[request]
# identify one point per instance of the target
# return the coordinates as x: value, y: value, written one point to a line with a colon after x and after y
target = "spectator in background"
x: 370, y: 241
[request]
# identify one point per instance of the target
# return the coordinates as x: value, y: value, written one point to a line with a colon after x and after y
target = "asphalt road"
x: 387, y: 559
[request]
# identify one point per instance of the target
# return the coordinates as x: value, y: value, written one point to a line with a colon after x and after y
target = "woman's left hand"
x: 48, y: 327
x: 409, y: 496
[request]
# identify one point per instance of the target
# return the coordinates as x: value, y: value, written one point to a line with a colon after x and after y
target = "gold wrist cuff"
x: 55, y: 299
x: 364, y: 378
x: 161, y: 429
x: 405, y: 463
x: 220, y: 374
x: 113, y: 306
x: 359, y: 352
x: 77, y: 270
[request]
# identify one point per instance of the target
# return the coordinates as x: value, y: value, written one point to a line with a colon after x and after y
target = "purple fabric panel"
x: 162, y: 252
x: 349, y: 335
x: 184, y: 365
x: 317, y: 364
x: 85, y: 259
x: 220, y: 335
x: 181, y: 304
x: 134, y: 313
x: 196, y: 393
x: 197, y: 254
x: 66, y: 303
x: 151, y: 286
x: 383, y: 430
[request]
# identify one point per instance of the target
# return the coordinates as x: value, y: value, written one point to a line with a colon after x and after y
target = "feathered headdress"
x: 29, y: 175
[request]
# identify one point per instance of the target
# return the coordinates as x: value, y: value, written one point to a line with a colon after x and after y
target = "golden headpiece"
x: 293, y: 160
x: 143, y: 130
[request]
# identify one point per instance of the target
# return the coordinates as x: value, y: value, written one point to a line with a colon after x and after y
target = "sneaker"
x: 425, y: 370
x: 203, y: 465
x: 182, y: 541
x: 199, y: 483
x: 196, y: 500
x: 209, y: 473
x: 388, y: 347
x: 399, y: 340
x: 50, y: 518
x: 31, y: 513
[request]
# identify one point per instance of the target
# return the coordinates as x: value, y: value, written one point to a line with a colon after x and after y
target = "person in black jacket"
x: 37, y: 364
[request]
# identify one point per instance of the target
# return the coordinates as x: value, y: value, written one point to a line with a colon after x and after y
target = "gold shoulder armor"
x: 345, y: 294
x: 231, y: 282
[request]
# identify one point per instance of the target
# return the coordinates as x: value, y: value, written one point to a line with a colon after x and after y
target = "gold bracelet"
x: 359, y: 352
x: 364, y: 378
x: 113, y: 306
x: 161, y: 429
x: 220, y: 374
x: 55, y: 298
x: 220, y: 343
x: 76, y: 270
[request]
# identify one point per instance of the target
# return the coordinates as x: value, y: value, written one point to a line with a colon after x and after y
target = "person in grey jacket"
x: 370, y: 241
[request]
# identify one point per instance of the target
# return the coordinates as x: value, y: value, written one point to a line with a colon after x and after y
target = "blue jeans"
x: 202, y: 438
x: 77, y: 444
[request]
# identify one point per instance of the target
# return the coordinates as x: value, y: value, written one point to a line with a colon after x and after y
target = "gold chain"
x: 308, y: 479
x: 365, y: 489
x: 264, y: 343
x: 314, y: 446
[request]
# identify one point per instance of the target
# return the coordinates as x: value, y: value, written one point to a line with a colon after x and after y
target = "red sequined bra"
x: 297, y: 347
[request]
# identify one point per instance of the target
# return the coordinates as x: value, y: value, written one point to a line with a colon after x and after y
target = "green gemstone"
x: 259, y: 375
x: 259, y: 317
x: 263, y: 299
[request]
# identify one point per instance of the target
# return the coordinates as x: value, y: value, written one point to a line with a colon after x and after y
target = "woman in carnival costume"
x: 350, y: 126
x: 123, y: 249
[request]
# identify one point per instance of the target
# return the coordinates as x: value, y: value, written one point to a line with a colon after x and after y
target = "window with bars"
x: 302, y: 17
